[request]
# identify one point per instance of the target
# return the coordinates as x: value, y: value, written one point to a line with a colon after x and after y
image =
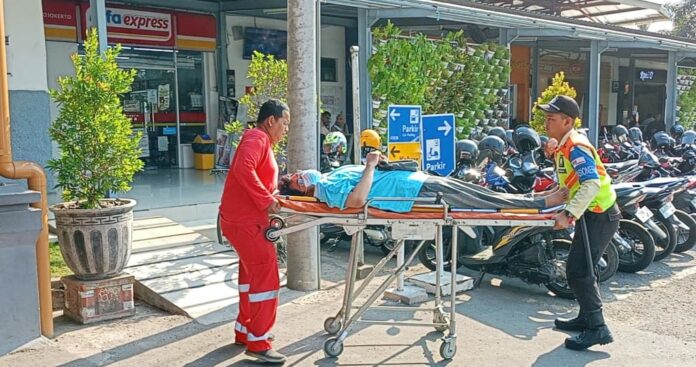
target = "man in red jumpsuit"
x: 247, y: 200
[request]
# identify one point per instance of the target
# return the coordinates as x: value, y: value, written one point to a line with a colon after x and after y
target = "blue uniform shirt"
x: 583, y: 164
x: 334, y: 188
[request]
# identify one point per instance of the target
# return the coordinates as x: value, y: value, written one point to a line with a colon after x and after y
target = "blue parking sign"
x: 404, y: 124
x: 438, y: 143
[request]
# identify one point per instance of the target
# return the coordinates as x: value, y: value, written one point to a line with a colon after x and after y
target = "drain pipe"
x: 36, y: 177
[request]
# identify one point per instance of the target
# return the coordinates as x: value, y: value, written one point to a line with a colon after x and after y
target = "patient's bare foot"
x: 559, y: 197
x: 546, y: 193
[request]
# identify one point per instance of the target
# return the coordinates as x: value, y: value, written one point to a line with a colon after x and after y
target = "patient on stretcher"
x: 352, y: 185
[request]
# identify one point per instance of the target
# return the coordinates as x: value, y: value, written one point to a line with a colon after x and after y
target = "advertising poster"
x: 223, y: 149
x: 163, y: 91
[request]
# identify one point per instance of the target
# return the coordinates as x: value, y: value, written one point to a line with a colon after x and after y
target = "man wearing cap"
x: 592, y: 202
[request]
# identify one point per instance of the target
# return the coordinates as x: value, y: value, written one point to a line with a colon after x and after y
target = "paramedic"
x: 247, y: 201
x: 593, y: 201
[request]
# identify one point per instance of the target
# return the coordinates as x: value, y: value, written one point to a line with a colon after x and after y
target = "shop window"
x: 328, y: 70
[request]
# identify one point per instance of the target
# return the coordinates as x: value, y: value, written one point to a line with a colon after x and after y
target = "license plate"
x: 413, y: 231
x: 644, y: 214
x: 667, y: 210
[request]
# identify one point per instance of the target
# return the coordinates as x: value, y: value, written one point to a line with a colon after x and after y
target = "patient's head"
x: 300, y: 183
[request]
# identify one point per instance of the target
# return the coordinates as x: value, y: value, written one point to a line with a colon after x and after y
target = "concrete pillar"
x: 504, y: 40
x: 535, y: 72
x: 222, y: 63
x: 671, y: 91
x: 98, y: 9
x: 365, y: 23
x: 592, y: 118
x: 19, y: 229
x: 303, y: 247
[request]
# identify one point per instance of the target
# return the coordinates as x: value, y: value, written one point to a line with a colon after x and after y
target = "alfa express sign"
x: 136, y: 26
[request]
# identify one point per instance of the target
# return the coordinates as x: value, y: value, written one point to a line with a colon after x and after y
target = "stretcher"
x: 424, y: 222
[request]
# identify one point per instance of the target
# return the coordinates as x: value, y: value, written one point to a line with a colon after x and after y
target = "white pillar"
x: 98, y: 9
x: 303, y: 247
x: 595, y: 58
x: 671, y: 89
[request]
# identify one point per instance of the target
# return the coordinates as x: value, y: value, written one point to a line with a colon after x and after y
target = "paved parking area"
x: 502, y: 323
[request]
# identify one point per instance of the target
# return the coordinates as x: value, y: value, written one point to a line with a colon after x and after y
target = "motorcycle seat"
x: 623, y: 190
x: 621, y: 165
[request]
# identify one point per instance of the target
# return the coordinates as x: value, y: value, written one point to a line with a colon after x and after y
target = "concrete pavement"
x: 504, y: 322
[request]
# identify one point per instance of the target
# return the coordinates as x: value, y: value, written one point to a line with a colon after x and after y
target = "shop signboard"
x: 126, y: 25
x: 131, y: 26
x: 651, y: 76
x: 60, y: 20
x: 438, y: 143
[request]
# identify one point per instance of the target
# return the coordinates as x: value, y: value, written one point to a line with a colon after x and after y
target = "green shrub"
x: 98, y: 150
x: 558, y: 87
x: 269, y: 77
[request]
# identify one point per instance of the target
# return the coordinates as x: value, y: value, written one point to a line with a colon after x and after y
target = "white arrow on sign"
x: 394, y: 115
x: 445, y: 128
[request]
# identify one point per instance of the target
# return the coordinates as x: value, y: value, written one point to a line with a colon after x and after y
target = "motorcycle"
x: 531, y: 254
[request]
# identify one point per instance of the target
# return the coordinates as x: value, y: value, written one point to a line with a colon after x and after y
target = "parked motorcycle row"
x: 655, y: 182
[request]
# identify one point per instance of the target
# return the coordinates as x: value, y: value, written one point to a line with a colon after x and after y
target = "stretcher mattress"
x: 311, y: 206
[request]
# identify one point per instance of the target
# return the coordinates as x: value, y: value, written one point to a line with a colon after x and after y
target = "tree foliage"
x: 558, y: 87
x: 98, y: 151
x: 269, y: 78
x: 683, y: 18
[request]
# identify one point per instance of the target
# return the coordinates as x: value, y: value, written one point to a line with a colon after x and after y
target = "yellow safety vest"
x: 567, y: 177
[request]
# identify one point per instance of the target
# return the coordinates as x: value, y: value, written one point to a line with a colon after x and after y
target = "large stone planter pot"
x: 95, y: 243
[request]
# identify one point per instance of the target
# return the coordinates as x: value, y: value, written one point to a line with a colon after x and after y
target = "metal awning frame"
x: 514, y: 26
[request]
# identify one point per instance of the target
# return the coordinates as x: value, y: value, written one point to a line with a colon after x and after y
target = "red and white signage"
x: 60, y: 20
x: 128, y: 26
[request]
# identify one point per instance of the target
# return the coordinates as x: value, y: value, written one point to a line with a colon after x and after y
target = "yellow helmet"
x: 370, y: 139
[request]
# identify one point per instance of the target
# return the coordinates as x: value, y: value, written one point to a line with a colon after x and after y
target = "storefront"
x: 642, y: 94
x: 170, y: 50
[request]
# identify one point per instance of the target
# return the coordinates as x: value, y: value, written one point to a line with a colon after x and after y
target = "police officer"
x: 592, y: 201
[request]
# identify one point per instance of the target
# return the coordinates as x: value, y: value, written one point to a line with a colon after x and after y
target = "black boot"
x: 597, y: 332
x: 577, y: 324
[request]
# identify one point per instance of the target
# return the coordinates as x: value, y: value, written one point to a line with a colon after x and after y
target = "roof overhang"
x: 520, y: 23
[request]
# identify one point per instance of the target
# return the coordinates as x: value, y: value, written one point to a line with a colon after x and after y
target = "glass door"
x: 152, y: 105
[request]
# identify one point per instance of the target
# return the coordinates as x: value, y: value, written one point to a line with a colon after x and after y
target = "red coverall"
x: 248, y: 192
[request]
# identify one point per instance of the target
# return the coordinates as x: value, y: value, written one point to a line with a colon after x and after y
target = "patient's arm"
x: 358, y: 197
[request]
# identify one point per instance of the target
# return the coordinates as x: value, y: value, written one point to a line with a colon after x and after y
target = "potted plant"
x: 99, y: 154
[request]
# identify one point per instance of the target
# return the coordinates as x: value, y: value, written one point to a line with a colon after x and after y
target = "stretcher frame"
x: 354, y: 223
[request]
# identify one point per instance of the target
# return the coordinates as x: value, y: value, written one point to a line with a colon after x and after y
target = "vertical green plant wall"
x: 446, y: 75
x: 686, y: 103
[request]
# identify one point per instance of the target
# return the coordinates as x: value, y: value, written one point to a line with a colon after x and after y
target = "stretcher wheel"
x: 270, y: 235
x: 332, y: 325
x: 448, y: 349
x: 277, y: 222
x: 439, y: 318
x: 333, y: 347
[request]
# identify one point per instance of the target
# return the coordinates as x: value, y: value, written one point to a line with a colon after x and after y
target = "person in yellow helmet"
x: 369, y: 141
x: 592, y: 202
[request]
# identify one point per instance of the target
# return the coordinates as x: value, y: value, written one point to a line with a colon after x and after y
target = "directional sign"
x: 438, y: 143
x: 401, y: 151
x: 404, y: 124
